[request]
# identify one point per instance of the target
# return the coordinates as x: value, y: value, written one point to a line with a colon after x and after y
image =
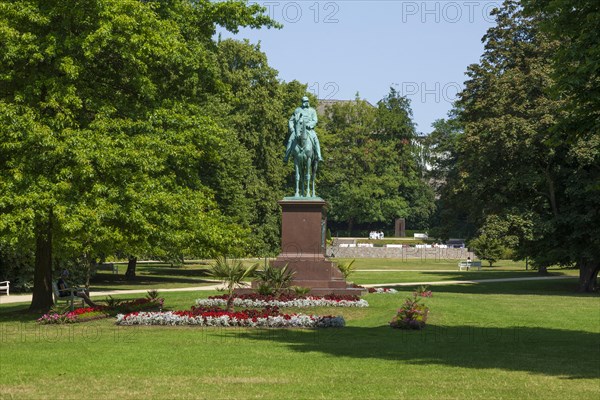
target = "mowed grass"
x: 195, y: 273
x: 538, y: 340
x: 387, y: 271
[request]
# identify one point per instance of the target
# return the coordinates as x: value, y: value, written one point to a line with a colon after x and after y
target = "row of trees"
x: 127, y: 128
x: 520, y: 153
x: 130, y: 128
x: 371, y: 173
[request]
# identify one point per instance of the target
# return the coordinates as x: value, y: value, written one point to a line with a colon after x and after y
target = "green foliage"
x: 487, y: 248
x: 411, y: 315
x: 152, y: 294
x: 278, y: 279
x: 520, y: 174
x: 232, y: 273
x: 372, y: 174
x: 300, y: 290
x: 574, y: 26
x: 346, y: 268
x: 16, y: 266
x: 112, y: 303
x: 265, y: 289
x: 106, y: 143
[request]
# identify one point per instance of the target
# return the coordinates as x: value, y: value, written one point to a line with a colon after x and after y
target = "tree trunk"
x: 588, y: 275
x: 42, y: 277
x: 229, y: 306
x: 350, y: 226
x: 131, y: 264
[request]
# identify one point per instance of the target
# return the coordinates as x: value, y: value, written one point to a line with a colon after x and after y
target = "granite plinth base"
x: 303, y: 227
x: 320, y: 275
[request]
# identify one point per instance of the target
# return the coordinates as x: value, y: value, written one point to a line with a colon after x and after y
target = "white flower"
x: 298, y: 303
x: 279, y: 321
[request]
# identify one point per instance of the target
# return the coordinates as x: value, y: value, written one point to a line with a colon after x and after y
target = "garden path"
x: 22, y: 298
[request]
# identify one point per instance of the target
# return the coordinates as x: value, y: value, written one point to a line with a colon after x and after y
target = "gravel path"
x: 22, y: 298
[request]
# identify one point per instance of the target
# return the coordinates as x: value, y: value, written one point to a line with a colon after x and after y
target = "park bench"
x: 468, y: 264
x: 68, y: 299
x: 5, y: 286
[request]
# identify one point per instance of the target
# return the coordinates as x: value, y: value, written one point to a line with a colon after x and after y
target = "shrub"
x: 232, y: 273
x: 300, y: 290
x: 412, y: 315
x: 277, y: 279
x: 264, y: 289
x: 487, y: 248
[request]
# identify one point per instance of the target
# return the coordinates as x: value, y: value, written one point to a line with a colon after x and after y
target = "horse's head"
x: 301, y: 133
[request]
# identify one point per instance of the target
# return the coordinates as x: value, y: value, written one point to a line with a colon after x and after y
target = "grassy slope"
x: 502, y: 340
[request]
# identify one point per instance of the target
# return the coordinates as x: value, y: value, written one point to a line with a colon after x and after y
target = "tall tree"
x: 575, y: 24
x: 100, y: 148
x: 517, y: 159
x: 371, y: 173
x: 451, y: 218
x: 255, y: 105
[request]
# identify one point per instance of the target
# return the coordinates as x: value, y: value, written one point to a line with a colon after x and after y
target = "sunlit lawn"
x: 535, y: 339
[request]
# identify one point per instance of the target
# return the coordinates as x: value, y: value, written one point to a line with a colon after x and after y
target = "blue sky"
x: 339, y: 48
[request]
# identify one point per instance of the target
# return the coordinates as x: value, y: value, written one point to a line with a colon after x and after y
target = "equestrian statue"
x: 303, y: 145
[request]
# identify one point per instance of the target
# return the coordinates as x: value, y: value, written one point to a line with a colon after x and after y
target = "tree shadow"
x: 175, y: 271
x: 141, y: 280
x: 562, y: 287
x: 554, y: 352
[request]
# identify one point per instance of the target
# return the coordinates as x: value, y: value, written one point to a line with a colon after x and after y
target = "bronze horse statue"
x: 305, y: 161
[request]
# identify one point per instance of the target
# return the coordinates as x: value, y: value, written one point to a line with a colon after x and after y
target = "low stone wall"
x: 396, y: 252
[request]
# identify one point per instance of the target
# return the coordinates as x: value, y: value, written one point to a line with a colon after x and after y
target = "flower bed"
x: 102, y: 311
x: 257, y: 300
x: 382, y: 290
x: 216, y: 317
x: 141, y: 304
x: 71, y: 317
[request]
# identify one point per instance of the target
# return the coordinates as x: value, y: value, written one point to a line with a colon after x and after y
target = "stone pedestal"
x: 303, y: 234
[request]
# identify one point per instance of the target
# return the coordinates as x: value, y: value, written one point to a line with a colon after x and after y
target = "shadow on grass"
x: 117, y: 281
x: 440, y: 276
x: 555, y: 352
x: 566, y: 287
x: 177, y: 272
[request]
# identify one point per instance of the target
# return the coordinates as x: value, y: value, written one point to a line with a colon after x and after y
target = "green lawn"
x: 497, y: 340
x: 154, y: 276
x: 372, y: 271
x: 164, y: 275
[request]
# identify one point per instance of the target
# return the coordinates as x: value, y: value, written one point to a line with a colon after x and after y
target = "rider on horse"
x: 309, y: 117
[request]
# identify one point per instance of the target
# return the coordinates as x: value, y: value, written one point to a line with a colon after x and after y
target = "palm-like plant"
x: 346, y: 268
x: 232, y: 273
x: 278, y: 279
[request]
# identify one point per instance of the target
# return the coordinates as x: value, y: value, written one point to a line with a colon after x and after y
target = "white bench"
x: 5, y: 286
x: 468, y: 264
x: 69, y: 299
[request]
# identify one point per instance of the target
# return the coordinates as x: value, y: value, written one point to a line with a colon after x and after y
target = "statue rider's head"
x: 305, y: 102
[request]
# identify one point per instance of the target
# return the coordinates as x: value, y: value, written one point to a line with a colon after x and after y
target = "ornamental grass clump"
x: 232, y: 273
x: 412, y: 315
x: 274, y: 280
